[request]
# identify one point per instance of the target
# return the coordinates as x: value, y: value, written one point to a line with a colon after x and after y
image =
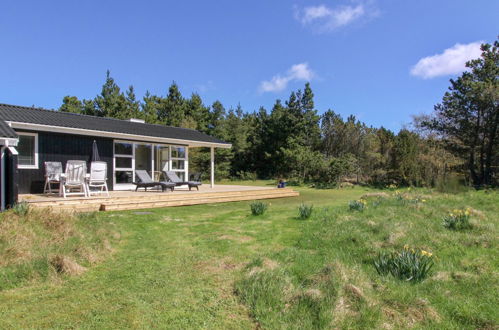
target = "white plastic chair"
x: 53, y: 171
x: 74, y: 178
x: 98, y: 178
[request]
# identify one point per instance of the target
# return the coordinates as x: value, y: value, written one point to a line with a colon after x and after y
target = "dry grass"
x: 43, y: 245
x: 66, y: 265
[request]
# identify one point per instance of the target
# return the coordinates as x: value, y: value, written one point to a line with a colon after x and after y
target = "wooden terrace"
x: 130, y: 200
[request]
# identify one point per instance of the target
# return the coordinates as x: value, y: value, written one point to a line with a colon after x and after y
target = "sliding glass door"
x: 143, y: 157
x: 161, y: 160
x: 153, y: 158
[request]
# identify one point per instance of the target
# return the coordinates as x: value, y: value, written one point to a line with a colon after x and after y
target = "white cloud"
x: 326, y: 19
x: 298, y: 72
x: 206, y: 87
x: 451, y: 61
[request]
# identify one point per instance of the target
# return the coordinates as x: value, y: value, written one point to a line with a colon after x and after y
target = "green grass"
x: 216, y: 266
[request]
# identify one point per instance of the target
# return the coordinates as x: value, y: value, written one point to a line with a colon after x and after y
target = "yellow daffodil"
x: 426, y: 253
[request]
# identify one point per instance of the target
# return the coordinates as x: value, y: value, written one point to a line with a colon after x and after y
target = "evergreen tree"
x: 197, y: 113
x: 172, y: 110
x: 71, y: 104
x: 132, y: 109
x: 111, y: 102
x: 468, y: 117
x: 150, y: 108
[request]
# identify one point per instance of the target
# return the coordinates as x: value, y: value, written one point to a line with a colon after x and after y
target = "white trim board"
x: 114, y: 135
x: 8, y: 142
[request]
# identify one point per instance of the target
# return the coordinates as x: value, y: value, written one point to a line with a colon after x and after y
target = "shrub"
x: 457, y: 219
x: 21, y: 208
x: 407, y: 265
x: 305, y: 211
x: 250, y: 176
x: 258, y: 208
x: 357, y: 205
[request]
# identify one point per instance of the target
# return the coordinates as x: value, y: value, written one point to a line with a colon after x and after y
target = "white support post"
x: 212, y: 162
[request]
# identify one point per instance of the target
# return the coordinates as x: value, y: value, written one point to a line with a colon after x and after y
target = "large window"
x: 154, y: 158
x: 28, y: 150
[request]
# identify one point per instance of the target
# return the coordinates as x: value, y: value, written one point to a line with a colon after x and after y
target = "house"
x: 31, y: 136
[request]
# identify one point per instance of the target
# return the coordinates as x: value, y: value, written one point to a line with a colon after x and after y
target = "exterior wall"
x: 61, y: 148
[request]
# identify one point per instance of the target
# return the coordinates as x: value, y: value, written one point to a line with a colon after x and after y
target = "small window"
x: 121, y: 148
x: 178, y: 164
x: 28, y: 150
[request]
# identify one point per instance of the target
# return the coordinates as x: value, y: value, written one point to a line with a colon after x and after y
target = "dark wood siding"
x: 61, y: 148
x: 12, y: 177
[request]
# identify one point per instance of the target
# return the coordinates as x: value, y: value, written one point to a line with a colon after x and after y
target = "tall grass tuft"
x: 406, y: 265
x: 46, y: 245
x: 21, y: 209
x: 258, y: 208
x: 305, y: 211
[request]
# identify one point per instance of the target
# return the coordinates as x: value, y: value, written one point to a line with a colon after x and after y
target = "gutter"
x: 123, y: 136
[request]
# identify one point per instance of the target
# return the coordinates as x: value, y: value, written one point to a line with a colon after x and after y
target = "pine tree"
x: 71, y: 104
x: 150, y: 108
x: 111, y: 102
x: 132, y: 105
x: 171, y: 110
x: 468, y: 117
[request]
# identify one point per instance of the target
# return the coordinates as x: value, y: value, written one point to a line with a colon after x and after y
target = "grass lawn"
x: 216, y: 266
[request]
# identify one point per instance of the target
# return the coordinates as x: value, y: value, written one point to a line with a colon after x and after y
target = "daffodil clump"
x: 357, y: 205
x: 407, y: 265
x: 458, y: 219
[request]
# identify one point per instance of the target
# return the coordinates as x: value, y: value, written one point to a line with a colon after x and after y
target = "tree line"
x: 293, y: 142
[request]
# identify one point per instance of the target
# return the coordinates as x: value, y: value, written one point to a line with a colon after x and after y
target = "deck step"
x: 166, y: 195
x: 162, y: 203
x: 161, y: 200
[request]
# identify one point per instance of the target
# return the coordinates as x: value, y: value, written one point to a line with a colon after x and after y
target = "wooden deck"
x: 130, y: 200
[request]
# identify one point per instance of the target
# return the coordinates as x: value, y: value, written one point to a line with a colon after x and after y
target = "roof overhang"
x: 114, y: 135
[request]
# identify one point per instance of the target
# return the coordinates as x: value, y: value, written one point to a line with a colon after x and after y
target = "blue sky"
x: 361, y: 57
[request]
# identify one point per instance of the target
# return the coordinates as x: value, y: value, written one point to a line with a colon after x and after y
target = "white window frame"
x: 185, y: 170
x: 132, y: 169
x: 35, y: 166
x: 127, y: 186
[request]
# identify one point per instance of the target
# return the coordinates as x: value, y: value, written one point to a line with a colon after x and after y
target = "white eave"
x: 114, y: 135
x: 8, y: 142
